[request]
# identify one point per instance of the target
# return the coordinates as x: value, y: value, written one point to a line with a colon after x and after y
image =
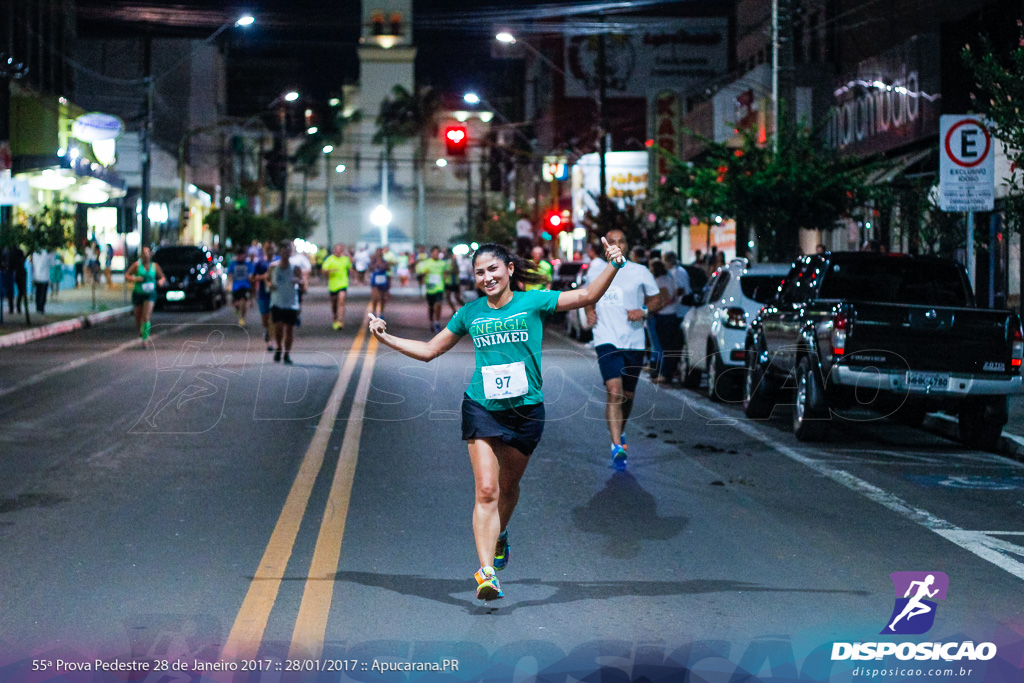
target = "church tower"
x: 386, y: 59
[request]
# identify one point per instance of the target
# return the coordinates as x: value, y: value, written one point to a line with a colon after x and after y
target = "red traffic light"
x: 455, y: 140
x: 554, y: 220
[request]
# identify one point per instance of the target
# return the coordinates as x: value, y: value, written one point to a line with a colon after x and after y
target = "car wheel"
x: 981, y: 423
x: 809, y: 420
x: 758, y: 389
x: 691, y: 375
x: 910, y: 414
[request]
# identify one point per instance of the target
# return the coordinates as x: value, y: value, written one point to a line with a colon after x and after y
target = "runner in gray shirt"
x: 285, y: 279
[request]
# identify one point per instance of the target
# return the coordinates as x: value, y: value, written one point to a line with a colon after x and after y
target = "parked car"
x: 715, y: 327
x: 566, y: 275
x: 194, y: 276
x: 897, y: 333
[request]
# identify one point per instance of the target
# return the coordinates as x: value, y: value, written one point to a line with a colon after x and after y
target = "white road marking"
x: 79, y: 362
x: 980, y: 543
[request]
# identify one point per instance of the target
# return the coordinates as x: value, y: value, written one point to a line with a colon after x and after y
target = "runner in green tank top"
x: 146, y: 275
x: 503, y: 409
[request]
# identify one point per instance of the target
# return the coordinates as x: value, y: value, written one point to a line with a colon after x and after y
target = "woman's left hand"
x: 612, y: 253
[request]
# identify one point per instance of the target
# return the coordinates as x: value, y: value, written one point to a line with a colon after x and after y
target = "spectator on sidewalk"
x: 7, y: 278
x: 108, y: 261
x: 79, y: 266
x: 56, y: 274
x: 41, y: 262
x: 20, y: 278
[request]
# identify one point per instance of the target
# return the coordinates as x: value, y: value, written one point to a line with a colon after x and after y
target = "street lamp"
x: 471, y: 98
x: 381, y: 217
x: 329, y: 195
x: 290, y: 96
x: 147, y: 138
x: 509, y: 39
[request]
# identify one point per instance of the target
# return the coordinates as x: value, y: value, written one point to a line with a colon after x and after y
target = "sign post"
x: 966, y: 171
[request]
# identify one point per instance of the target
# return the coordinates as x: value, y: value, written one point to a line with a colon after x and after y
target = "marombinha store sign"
x: 890, y: 100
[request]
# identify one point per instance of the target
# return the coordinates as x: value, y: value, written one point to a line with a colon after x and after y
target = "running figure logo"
x: 914, y: 612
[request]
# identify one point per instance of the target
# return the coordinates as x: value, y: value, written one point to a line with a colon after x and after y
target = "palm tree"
x: 405, y: 116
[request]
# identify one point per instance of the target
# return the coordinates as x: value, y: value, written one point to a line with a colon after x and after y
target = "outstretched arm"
x: 442, y: 342
x: 592, y: 293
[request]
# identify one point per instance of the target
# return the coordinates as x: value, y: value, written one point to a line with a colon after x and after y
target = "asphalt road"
x: 198, y: 503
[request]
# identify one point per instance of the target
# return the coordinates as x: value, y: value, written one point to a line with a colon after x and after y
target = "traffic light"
x: 455, y: 140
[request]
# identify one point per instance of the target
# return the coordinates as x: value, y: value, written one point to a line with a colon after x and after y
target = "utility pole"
x: 602, y: 70
x: 329, y: 201
x: 147, y: 144
x: 284, y: 152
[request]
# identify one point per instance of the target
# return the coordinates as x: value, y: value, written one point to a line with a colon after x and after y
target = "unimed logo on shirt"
x: 490, y: 331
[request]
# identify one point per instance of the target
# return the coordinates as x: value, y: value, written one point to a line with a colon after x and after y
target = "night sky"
x: 310, y: 45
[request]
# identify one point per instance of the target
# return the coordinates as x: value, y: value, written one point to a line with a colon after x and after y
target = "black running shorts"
x: 519, y: 427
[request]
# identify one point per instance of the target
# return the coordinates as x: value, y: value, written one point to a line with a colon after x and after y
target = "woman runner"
x: 503, y: 409
x: 146, y: 275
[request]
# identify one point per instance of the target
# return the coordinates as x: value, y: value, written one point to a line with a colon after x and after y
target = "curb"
x: 1010, y: 445
x: 62, y: 327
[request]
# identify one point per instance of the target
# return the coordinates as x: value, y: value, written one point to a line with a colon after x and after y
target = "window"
x: 719, y: 287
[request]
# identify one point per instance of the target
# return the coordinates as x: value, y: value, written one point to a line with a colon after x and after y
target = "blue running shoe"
x: 622, y: 440
x: 618, y: 458
x: 501, y: 551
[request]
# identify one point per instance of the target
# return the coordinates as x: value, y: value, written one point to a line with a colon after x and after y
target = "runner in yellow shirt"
x: 433, y: 269
x: 337, y: 267
x: 542, y: 266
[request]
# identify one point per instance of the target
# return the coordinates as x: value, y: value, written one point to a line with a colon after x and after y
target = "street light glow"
x: 441, y: 163
x: 291, y: 96
x: 340, y: 168
x: 380, y: 217
x: 328, y: 149
x: 312, y: 130
x: 246, y: 20
x: 505, y: 37
x: 472, y: 98
x: 334, y: 101
x: 486, y: 116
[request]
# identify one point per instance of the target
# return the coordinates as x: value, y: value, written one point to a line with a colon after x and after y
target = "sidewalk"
x: 70, y: 309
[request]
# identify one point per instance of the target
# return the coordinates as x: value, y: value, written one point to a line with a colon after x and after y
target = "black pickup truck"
x: 894, y: 333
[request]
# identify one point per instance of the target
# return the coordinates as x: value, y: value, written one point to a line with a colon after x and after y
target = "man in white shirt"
x: 682, y: 279
x: 618, y: 322
x: 41, y: 262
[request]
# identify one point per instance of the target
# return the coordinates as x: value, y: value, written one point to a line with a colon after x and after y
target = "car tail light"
x: 1018, y: 347
x: 738, y: 355
x: 736, y: 318
x: 840, y: 326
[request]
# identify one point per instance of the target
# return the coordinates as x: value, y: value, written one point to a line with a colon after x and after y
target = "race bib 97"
x: 505, y: 381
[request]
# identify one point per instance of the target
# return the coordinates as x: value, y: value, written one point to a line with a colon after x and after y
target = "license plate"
x: 927, y: 381
x: 175, y: 295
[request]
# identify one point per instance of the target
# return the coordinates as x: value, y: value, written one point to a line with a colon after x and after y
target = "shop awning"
x: 897, y: 166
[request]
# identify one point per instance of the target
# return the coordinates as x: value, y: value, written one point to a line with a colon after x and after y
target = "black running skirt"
x: 519, y: 427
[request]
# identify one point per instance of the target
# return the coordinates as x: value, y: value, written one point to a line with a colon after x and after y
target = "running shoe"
x: 277, y: 356
x: 501, y: 551
x: 287, y: 359
x: 622, y: 441
x: 336, y: 325
x: 487, y: 585
x: 618, y: 458
x: 266, y: 336
x: 241, y: 322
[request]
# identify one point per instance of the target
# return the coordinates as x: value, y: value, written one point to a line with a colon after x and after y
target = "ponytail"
x: 522, y: 273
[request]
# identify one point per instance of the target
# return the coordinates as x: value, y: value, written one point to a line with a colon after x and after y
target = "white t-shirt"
x: 361, y: 259
x: 41, y: 262
x: 627, y: 292
x: 524, y: 228
x: 668, y: 283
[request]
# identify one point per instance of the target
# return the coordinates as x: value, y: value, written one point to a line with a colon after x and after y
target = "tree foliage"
x: 242, y: 226
x: 1000, y: 93
x: 405, y: 116
x: 642, y: 226
x: 52, y: 228
x: 805, y: 184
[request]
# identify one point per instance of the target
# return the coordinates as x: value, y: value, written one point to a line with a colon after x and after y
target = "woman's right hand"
x: 377, y: 325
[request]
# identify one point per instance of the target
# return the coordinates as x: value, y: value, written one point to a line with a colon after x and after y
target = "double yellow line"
x: 311, y: 624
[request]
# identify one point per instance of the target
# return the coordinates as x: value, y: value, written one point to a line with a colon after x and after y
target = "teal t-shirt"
x: 513, y: 333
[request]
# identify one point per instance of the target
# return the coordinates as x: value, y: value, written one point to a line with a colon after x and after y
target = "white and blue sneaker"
x: 618, y: 458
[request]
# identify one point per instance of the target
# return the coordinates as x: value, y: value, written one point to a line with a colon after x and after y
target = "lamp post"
x: 147, y: 130
x: 509, y: 39
x: 329, y: 198
x: 290, y: 96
